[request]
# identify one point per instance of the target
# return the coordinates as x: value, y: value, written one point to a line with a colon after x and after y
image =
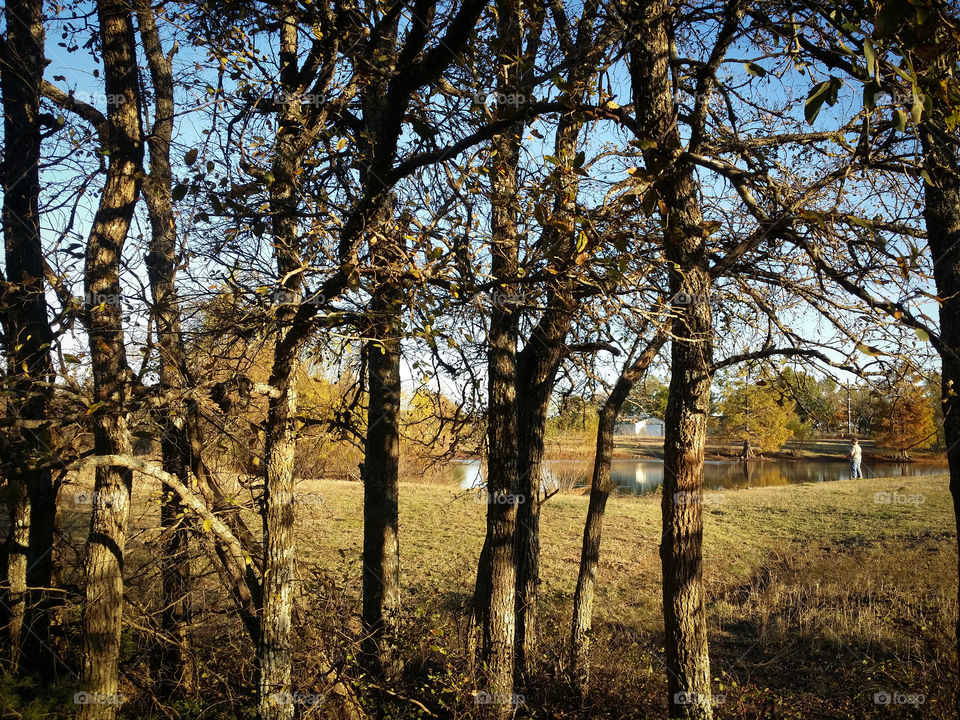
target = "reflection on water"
x: 643, y: 476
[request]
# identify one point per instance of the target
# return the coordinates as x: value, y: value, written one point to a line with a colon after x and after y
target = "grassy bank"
x: 819, y: 596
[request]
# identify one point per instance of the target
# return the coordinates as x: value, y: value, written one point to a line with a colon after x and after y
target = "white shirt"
x: 855, y: 453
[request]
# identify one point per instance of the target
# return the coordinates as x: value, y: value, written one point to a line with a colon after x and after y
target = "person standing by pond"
x: 856, y: 457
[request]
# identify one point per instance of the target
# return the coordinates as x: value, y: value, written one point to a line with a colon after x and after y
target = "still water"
x: 643, y: 476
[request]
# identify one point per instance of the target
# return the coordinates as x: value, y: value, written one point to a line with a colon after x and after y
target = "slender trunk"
x: 28, y: 338
x: 172, y: 658
x: 600, y: 489
x: 274, y: 654
x: 381, y: 464
x: 274, y: 659
x: 942, y: 215
x: 111, y: 376
x: 688, y: 404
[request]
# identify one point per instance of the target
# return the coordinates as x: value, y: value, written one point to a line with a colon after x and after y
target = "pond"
x: 643, y: 476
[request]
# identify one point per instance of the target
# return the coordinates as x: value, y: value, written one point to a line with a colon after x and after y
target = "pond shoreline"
x: 577, y: 448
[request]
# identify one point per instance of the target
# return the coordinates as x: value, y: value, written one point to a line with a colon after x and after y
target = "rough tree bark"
x: 685, y: 628
x: 600, y: 489
x: 537, y: 368
x: 27, y: 338
x: 172, y: 658
x: 111, y: 376
x: 274, y: 657
x: 381, y: 452
x: 381, y: 464
x: 941, y: 213
x: 497, y: 611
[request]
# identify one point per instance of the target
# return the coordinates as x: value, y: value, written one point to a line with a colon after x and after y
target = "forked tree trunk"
x: 29, y: 568
x: 600, y: 489
x: 104, y: 324
x: 688, y: 404
x: 544, y: 351
x: 172, y: 657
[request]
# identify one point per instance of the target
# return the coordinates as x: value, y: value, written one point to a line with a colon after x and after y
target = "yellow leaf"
x: 206, y: 525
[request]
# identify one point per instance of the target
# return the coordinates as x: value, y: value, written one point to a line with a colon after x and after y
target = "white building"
x: 640, y: 427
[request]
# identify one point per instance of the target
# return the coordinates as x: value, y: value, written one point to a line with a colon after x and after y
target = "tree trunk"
x: 942, y: 216
x: 172, y: 658
x: 27, y: 348
x: 536, y: 375
x: 381, y: 464
x: 104, y: 325
x: 498, y: 610
x: 274, y: 659
x: 544, y: 351
x: 600, y: 489
x: 688, y: 405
